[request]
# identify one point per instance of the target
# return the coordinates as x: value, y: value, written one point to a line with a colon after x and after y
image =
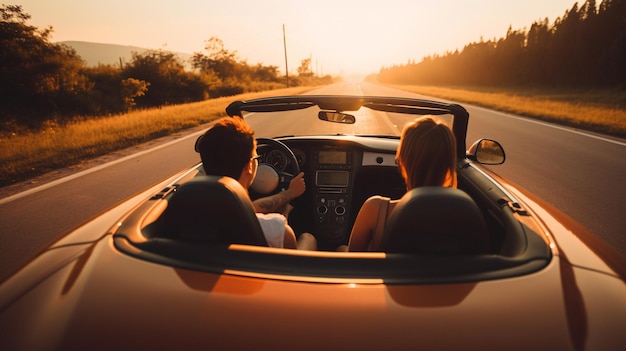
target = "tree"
x: 219, y: 61
x: 305, y: 68
x: 586, y: 47
x: 169, y: 82
x: 538, y: 43
x: 227, y: 74
x: 106, y: 91
x: 265, y: 73
x: 39, y: 79
x: 132, y: 88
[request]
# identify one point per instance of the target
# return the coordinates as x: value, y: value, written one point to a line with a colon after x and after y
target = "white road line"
x: 392, y: 127
x: 531, y: 120
x: 92, y: 170
x: 551, y: 125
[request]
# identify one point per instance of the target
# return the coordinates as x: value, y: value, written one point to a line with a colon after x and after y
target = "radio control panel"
x: 332, y: 192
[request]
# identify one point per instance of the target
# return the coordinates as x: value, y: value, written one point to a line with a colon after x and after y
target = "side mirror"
x: 337, y: 117
x: 487, y: 152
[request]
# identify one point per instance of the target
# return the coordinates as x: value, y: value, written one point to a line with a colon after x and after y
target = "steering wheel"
x: 270, y: 180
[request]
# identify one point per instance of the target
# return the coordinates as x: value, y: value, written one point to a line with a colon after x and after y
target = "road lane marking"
x: 532, y: 120
x: 551, y: 125
x: 93, y: 169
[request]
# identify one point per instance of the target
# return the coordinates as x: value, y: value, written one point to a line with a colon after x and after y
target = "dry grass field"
x: 598, y: 111
x: 30, y: 153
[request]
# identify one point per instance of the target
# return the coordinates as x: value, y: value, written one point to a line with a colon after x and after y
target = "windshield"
x: 305, y: 122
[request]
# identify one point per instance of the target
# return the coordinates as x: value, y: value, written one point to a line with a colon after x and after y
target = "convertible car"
x: 184, y: 265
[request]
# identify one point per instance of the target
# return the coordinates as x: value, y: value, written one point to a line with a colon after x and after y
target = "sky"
x: 341, y: 37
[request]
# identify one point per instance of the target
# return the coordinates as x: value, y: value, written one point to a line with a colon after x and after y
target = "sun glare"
x: 355, y: 39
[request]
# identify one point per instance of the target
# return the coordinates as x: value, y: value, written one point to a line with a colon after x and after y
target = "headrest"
x: 436, y: 220
x: 211, y: 209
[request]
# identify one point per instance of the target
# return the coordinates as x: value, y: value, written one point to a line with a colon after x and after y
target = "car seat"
x: 436, y: 220
x: 211, y: 210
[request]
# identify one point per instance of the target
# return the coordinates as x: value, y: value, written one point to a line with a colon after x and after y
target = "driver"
x: 228, y: 148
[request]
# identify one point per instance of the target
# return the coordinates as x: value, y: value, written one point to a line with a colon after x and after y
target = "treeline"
x: 40, y: 80
x: 584, y: 48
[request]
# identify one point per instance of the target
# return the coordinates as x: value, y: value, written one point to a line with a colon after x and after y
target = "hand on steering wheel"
x: 270, y: 180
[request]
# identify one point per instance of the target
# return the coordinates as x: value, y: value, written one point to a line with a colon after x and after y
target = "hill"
x: 99, y: 53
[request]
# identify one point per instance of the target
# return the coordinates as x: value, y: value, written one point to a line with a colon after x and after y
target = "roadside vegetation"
x: 44, y: 81
x: 583, y: 49
x: 29, y: 153
x: 602, y: 111
x: 55, y: 111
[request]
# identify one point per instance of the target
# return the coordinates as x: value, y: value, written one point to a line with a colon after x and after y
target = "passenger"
x: 426, y: 156
x: 228, y: 148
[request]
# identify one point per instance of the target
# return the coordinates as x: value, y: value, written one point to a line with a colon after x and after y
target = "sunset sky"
x: 340, y: 36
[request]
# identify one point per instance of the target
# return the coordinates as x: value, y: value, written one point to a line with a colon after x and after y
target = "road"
x: 579, y: 173
x: 38, y: 217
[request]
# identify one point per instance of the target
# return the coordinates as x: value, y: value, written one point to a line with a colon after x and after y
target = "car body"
x: 135, y: 278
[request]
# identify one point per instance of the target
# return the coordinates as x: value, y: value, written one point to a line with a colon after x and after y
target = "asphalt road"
x: 579, y: 173
x: 36, y: 218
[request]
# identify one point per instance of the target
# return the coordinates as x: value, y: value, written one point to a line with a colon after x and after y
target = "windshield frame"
x: 348, y: 103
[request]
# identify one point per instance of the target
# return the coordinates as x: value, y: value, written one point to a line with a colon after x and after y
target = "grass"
x: 26, y: 154
x: 601, y: 111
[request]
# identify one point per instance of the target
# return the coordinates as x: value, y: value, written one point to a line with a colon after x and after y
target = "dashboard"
x: 341, y: 172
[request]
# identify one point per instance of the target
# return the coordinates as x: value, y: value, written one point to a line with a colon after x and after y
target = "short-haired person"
x: 228, y: 148
x: 426, y: 156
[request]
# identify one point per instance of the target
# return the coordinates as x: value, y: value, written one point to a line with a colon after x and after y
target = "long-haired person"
x: 426, y: 156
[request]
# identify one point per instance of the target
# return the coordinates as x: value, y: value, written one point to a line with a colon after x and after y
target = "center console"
x: 333, y: 171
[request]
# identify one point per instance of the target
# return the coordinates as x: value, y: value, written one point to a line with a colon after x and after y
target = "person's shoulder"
x: 377, y: 199
x: 373, y: 203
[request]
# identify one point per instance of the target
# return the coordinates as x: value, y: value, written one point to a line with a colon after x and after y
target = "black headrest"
x: 436, y: 220
x: 211, y: 209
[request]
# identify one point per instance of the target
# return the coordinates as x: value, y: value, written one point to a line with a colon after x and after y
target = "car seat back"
x: 436, y: 220
x: 211, y: 210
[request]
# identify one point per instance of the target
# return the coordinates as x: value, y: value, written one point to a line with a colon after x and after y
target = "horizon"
x: 340, y: 37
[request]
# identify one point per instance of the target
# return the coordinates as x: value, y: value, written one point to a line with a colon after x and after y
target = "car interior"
x: 478, y: 231
x: 208, y: 223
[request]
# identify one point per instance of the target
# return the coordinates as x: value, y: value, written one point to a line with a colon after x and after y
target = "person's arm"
x: 307, y: 241
x: 277, y: 202
x: 363, y: 229
x: 289, y: 240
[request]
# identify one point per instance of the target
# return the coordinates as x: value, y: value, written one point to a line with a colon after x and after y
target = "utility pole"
x: 286, y: 67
